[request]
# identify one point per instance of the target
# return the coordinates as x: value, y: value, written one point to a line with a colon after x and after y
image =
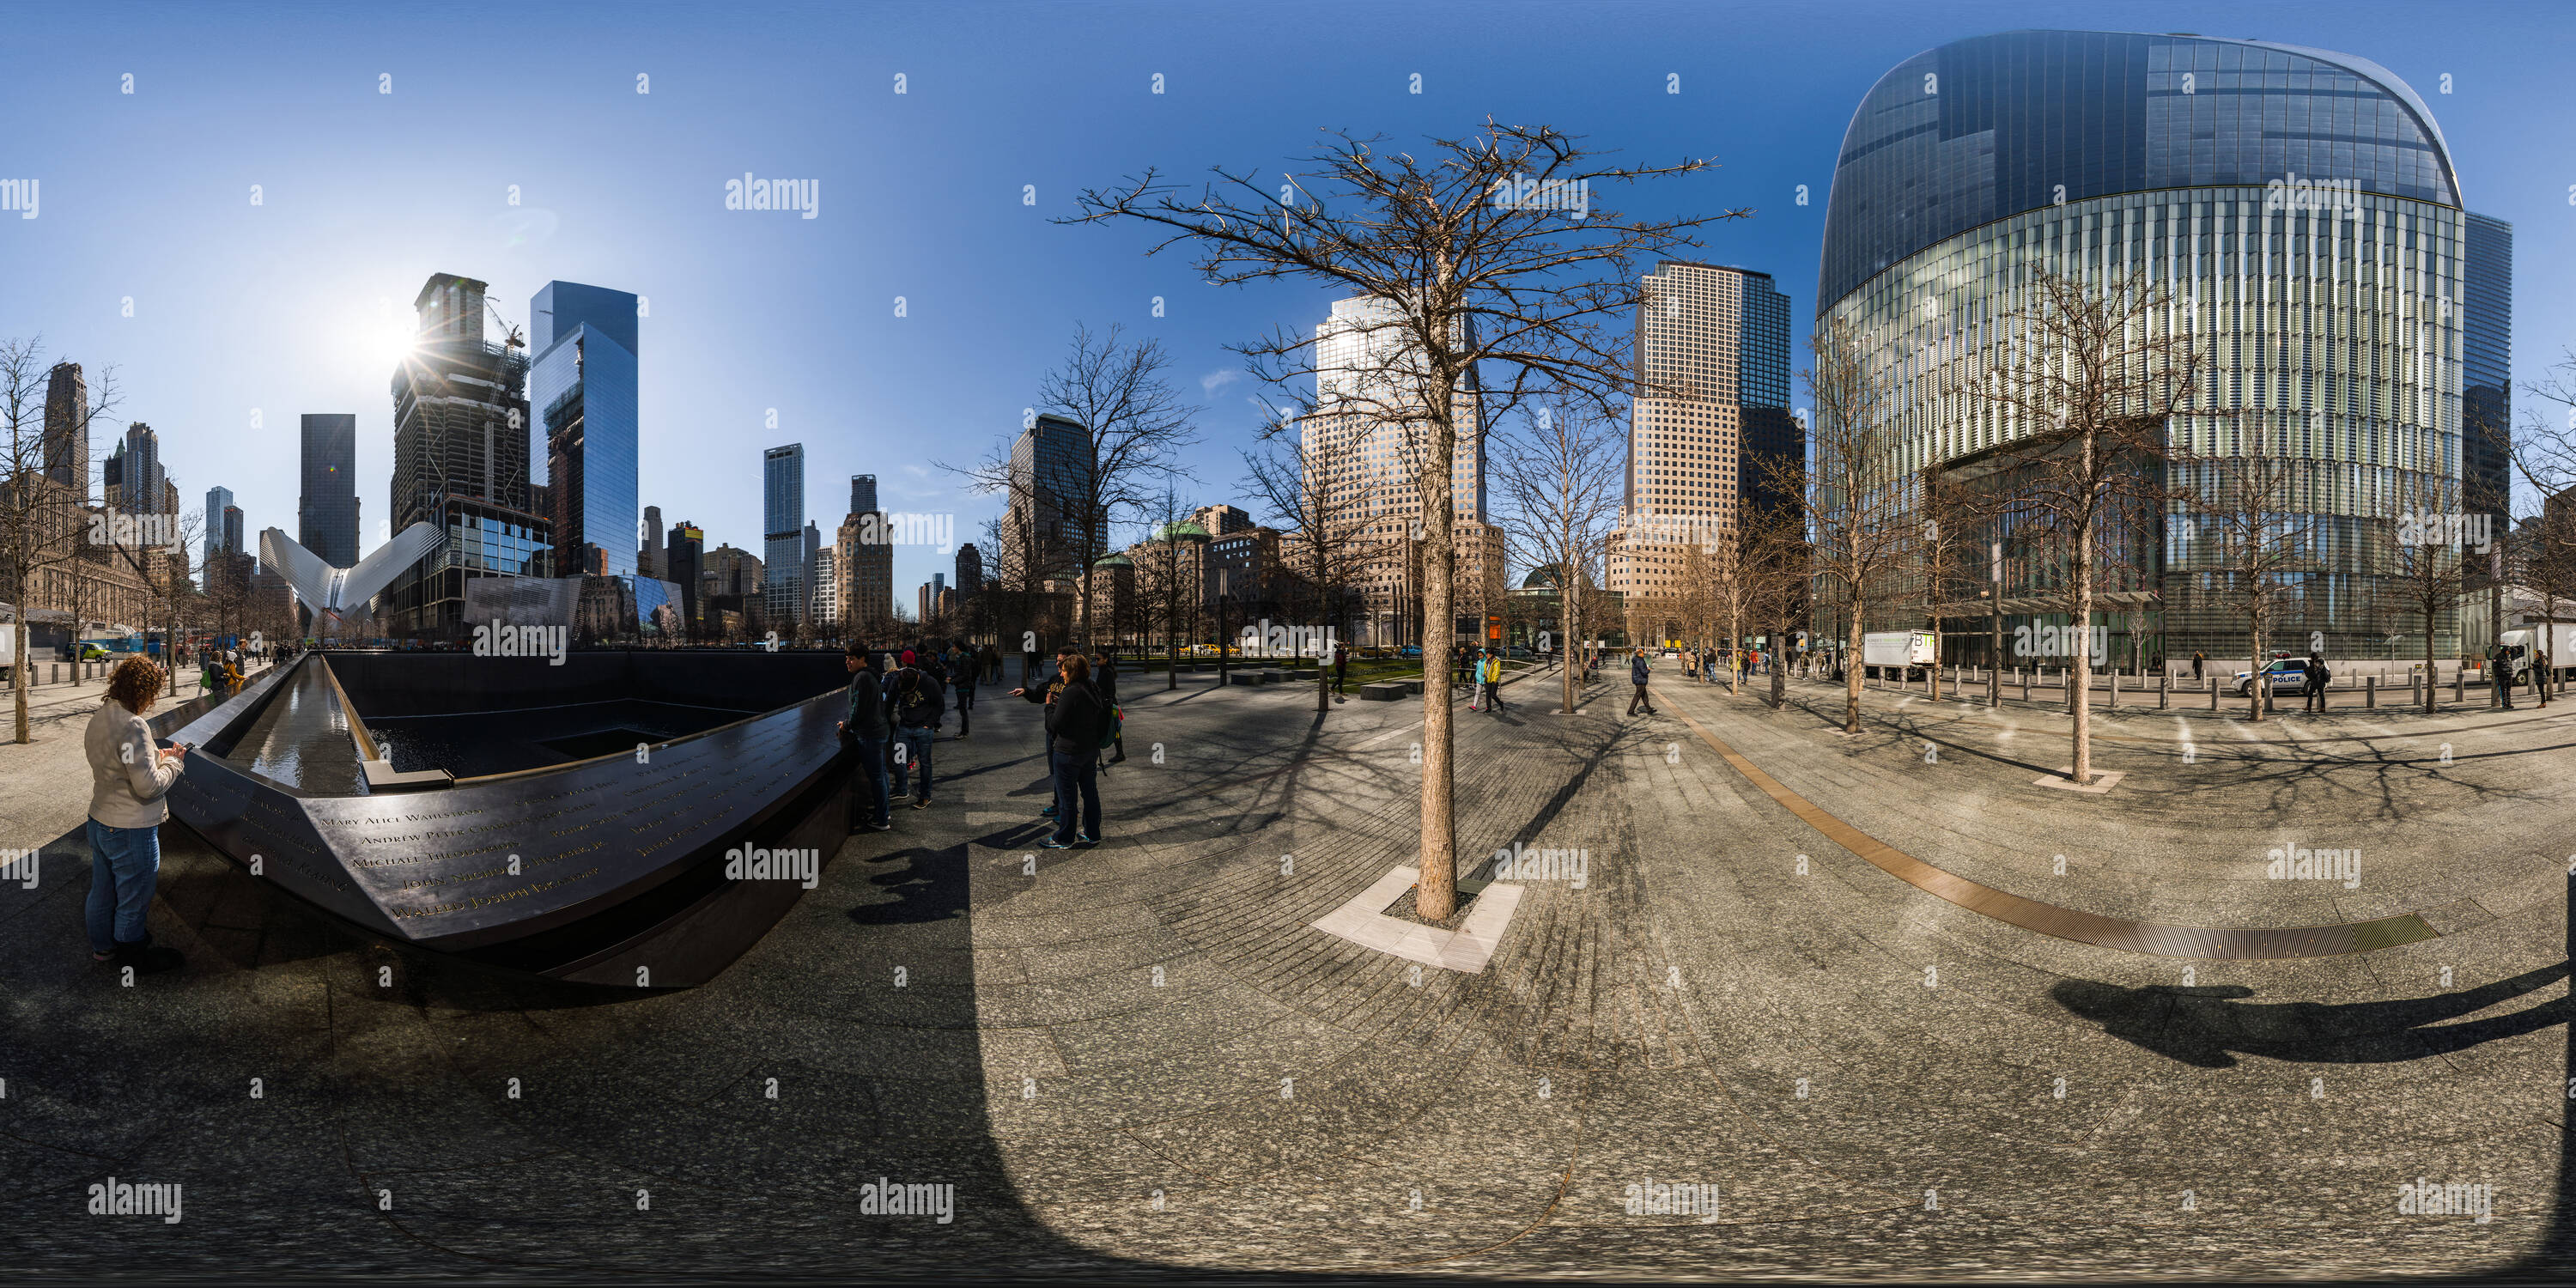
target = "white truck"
x: 1908, y: 649
x: 2558, y: 640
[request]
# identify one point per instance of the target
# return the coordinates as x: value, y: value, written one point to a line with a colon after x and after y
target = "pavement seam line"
x: 2148, y: 938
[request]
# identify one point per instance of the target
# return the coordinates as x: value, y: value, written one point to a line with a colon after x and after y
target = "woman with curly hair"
x: 128, y: 779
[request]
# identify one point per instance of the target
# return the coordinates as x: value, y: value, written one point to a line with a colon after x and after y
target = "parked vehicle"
x: 2561, y: 646
x: 1410, y: 652
x: 1908, y: 649
x: 2288, y: 678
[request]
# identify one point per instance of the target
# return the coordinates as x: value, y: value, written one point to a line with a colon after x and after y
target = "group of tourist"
x: 898, y: 701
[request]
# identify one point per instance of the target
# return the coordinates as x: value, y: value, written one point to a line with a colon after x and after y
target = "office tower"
x: 217, y: 500
x: 808, y: 567
x: 232, y: 526
x: 648, y: 559
x: 1222, y: 519
x: 927, y: 601
x: 970, y: 571
x: 145, y: 485
x: 683, y: 560
x: 1709, y: 429
x: 1355, y: 434
x: 782, y: 520
x: 66, y: 448
x: 326, y: 517
x: 2486, y: 367
x: 582, y: 386
x: 1050, y: 485
x: 863, y: 561
x: 461, y: 458
x: 825, y: 603
x: 2301, y: 203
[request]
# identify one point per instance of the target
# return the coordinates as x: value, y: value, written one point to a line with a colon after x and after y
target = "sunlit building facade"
x: 2298, y: 211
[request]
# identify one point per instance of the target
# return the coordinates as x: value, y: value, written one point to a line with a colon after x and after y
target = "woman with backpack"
x: 1078, y: 722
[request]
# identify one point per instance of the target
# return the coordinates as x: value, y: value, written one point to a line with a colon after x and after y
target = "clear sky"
x: 298, y: 304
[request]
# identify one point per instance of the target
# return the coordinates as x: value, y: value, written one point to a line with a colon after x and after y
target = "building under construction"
x: 461, y: 454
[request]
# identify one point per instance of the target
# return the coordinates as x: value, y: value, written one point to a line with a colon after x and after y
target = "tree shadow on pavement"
x: 2210, y: 1027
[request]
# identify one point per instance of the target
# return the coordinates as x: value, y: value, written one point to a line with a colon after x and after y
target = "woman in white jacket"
x: 128, y: 779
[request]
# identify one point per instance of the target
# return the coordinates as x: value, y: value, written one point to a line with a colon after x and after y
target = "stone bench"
x: 1382, y: 691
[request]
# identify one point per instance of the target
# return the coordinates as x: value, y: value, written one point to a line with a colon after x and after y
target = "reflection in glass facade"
x: 2486, y: 396
x: 2336, y: 329
x: 582, y: 389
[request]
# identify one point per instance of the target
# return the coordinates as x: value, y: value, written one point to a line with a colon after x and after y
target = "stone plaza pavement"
x: 1144, y: 1059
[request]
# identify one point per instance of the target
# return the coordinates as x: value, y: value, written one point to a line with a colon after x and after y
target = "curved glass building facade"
x: 2301, y: 211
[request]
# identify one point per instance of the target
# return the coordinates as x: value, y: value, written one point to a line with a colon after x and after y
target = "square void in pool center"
x: 501, y: 742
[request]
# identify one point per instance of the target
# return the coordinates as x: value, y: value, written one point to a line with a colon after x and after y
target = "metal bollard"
x: 2164, y: 691
x: 2370, y: 692
x: 2460, y: 685
x: 2115, y: 690
x: 2213, y: 693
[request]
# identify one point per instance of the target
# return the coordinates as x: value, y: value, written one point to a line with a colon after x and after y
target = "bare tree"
x: 1324, y: 520
x: 2093, y: 370
x: 1134, y: 424
x: 1946, y: 544
x: 43, y: 523
x: 2424, y: 569
x: 1858, y: 492
x: 1490, y: 249
x: 1558, y: 475
x: 2246, y: 536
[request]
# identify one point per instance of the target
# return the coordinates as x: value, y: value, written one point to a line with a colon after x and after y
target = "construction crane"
x: 515, y: 340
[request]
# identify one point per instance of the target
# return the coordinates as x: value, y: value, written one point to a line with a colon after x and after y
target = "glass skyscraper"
x: 2300, y: 211
x: 582, y: 390
x: 326, y: 512
x: 782, y: 531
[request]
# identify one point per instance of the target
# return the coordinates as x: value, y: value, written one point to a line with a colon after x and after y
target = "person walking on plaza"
x: 963, y: 668
x: 919, y: 701
x: 1341, y: 668
x: 1637, y: 676
x: 2500, y: 672
x: 129, y: 779
x: 863, y: 731
x: 2196, y: 660
x: 1076, y: 722
x: 2315, y: 688
x: 1493, y: 668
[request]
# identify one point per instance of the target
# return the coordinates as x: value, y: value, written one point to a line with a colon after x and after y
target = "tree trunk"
x: 2080, y: 676
x: 1437, y: 896
x: 1852, y: 667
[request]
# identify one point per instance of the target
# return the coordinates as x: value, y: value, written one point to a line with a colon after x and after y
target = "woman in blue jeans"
x: 1076, y: 722
x: 129, y: 777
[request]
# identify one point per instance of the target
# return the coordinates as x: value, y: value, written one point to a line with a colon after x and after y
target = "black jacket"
x: 1078, y: 719
x: 1105, y: 678
x: 866, y: 715
x: 918, y: 699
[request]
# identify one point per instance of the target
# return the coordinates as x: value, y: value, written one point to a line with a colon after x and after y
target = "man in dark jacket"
x: 919, y: 700
x: 863, y: 731
x: 2315, y: 688
x: 1637, y: 675
x: 1047, y: 695
x: 1076, y: 722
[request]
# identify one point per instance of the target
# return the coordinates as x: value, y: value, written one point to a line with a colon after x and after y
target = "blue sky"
x: 292, y: 306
